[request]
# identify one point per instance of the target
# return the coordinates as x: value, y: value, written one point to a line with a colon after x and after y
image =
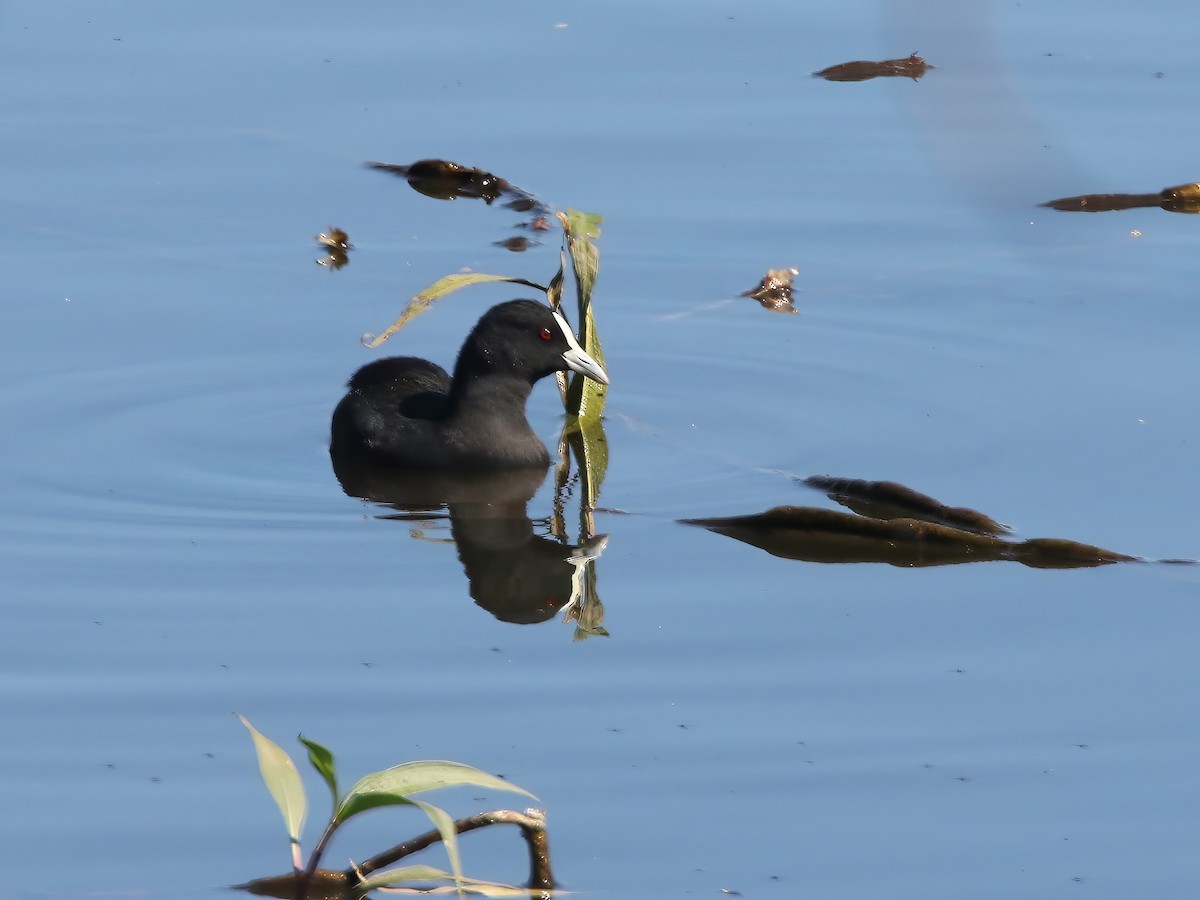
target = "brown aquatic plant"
x: 892, y: 500
x: 862, y: 70
x: 895, y: 524
x: 774, y: 291
x: 445, y: 180
x: 517, y: 244
x: 1181, y: 198
x: 338, y: 245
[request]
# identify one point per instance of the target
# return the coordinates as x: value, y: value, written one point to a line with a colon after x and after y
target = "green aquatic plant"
x: 389, y: 787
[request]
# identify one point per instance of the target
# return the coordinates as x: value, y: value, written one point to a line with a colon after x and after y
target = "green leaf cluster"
x: 390, y: 787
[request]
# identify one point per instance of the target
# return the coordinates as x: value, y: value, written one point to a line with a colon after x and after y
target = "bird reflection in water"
x: 514, y: 573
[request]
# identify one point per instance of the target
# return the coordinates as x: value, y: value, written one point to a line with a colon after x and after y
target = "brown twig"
x: 533, y: 828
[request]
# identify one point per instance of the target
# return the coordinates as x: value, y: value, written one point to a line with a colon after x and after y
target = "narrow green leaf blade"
x: 554, y: 298
x: 585, y: 398
x: 403, y: 875
x: 587, y: 440
x: 321, y: 758
x: 425, y: 874
x: 436, y: 291
x: 445, y: 826
x: 282, y: 780
x: 554, y: 290
x: 401, y: 781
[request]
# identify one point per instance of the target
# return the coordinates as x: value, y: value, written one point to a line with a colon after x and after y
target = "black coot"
x: 408, y: 412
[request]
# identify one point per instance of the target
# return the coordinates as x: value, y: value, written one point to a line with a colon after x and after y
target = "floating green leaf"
x: 436, y: 291
x: 321, y: 758
x: 393, y: 786
x: 283, y: 781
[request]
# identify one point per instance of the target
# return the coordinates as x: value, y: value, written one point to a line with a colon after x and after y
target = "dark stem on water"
x: 533, y: 829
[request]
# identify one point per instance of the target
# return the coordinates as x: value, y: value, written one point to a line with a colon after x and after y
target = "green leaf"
x: 554, y: 291
x: 585, y: 398
x: 587, y: 440
x: 393, y: 786
x: 445, y: 826
x: 283, y: 781
x: 554, y: 298
x: 583, y: 224
x: 436, y: 291
x: 321, y: 758
x: 426, y: 874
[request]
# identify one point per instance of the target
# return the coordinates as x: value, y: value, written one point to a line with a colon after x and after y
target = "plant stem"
x: 533, y: 829
x: 314, y: 858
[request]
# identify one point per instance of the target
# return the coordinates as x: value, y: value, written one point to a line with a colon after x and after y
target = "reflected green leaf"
x: 283, y: 781
x: 321, y: 758
x: 436, y: 291
x: 393, y: 786
x: 588, y: 442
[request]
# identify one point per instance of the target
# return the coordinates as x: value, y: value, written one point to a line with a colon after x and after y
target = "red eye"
x: 545, y: 334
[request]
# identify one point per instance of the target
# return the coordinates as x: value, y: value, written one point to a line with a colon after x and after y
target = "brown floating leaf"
x: 1183, y: 193
x: 339, y: 246
x: 823, y: 535
x: 860, y: 70
x: 890, y: 500
x: 517, y: 244
x: 323, y: 884
x: 1103, y: 202
x: 445, y: 180
x: 1182, y: 198
x: 336, y: 239
x: 774, y: 292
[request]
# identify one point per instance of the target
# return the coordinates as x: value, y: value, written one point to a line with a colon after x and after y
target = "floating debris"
x: 774, y: 292
x: 517, y: 244
x: 445, y: 180
x: 825, y: 535
x: 891, y: 500
x: 861, y: 70
x: 1182, y: 198
x: 338, y: 244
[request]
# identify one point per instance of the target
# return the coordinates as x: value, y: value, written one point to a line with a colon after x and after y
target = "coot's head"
x: 525, y: 338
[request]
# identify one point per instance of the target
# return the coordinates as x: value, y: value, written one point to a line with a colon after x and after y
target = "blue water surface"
x: 177, y: 549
